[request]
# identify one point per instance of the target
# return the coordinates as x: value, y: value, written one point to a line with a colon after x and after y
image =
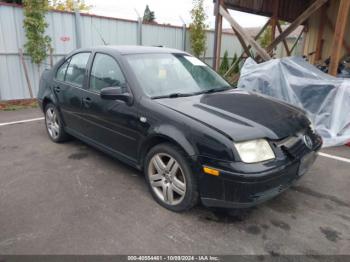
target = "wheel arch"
x: 156, y: 139
x: 49, y: 98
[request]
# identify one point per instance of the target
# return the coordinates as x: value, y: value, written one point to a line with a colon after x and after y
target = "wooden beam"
x: 273, y: 29
x: 246, y: 37
x: 274, y: 19
x: 217, y: 36
x: 284, y: 40
x: 50, y: 56
x: 305, y: 15
x: 319, y: 44
x: 296, y: 41
x: 331, y: 26
x: 338, y: 37
x: 21, y: 57
x: 240, y: 39
x: 249, y: 46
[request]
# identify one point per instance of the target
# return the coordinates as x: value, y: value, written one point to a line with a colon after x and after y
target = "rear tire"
x: 54, y: 124
x: 170, y: 178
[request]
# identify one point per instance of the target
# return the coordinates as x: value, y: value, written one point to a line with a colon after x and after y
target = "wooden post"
x: 305, y: 15
x: 319, y: 44
x: 274, y: 19
x: 339, y: 36
x: 217, y: 36
x: 246, y: 37
x: 51, y: 56
x: 331, y: 26
x: 21, y: 57
x: 273, y: 29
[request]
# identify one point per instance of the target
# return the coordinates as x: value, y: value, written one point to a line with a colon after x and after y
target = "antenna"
x: 182, y: 20
x: 137, y: 13
x: 99, y: 33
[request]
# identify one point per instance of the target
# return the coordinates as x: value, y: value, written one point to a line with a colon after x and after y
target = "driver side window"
x: 105, y: 72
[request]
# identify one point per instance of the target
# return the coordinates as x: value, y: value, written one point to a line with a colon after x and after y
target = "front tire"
x: 54, y: 125
x: 170, y: 178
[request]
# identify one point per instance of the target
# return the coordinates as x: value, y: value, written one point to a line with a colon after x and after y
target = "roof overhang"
x: 288, y: 10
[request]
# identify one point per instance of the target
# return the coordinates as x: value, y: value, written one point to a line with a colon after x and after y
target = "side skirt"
x: 107, y: 150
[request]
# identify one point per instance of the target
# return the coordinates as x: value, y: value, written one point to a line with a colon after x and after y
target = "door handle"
x: 87, y: 101
x: 57, y: 89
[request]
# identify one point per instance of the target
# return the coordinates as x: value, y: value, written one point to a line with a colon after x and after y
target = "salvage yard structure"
x: 325, y: 34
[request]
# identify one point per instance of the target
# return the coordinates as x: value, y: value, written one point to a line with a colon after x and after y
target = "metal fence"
x: 69, y: 31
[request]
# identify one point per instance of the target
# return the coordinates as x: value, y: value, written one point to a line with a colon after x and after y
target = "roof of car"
x: 134, y: 49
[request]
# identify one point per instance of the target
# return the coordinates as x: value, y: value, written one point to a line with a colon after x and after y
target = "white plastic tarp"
x: 325, y: 99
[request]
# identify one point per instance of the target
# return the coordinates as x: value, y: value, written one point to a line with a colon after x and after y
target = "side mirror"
x: 116, y: 93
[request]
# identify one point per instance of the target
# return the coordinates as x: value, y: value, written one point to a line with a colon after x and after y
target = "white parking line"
x: 347, y: 160
x: 22, y: 121
x: 42, y: 118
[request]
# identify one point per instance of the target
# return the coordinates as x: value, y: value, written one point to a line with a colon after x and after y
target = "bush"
x: 224, y: 66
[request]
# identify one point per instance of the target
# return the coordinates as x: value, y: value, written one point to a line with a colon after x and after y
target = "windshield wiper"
x: 214, y: 90
x: 173, y: 95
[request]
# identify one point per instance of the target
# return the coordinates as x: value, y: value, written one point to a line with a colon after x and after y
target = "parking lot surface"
x: 71, y: 199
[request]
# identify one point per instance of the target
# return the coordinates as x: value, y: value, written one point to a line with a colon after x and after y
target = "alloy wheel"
x: 167, y: 179
x: 52, y: 124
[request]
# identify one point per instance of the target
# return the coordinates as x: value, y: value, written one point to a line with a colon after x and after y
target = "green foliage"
x: 265, y: 38
x: 224, y: 66
x: 69, y: 5
x: 148, y: 16
x: 34, y: 25
x: 283, y: 22
x: 197, y: 28
x: 236, y: 68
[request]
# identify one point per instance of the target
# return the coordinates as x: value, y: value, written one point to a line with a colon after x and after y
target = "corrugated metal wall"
x: 112, y: 31
x: 62, y: 30
x: 12, y: 37
x: 313, y: 28
x: 158, y: 35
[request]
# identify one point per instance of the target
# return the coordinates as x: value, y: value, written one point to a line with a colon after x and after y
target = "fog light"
x: 211, y: 171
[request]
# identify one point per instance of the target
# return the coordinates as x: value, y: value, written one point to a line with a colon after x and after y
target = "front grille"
x: 294, y: 146
x: 297, y: 149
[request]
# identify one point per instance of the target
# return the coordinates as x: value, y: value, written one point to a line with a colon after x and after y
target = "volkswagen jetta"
x: 167, y: 113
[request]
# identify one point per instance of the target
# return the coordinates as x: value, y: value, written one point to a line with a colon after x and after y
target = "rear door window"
x: 77, y: 68
x: 61, y: 72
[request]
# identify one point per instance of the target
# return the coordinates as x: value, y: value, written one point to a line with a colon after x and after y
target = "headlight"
x: 254, y: 151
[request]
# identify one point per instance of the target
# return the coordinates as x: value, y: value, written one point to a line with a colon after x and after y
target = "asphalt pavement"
x: 72, y: 199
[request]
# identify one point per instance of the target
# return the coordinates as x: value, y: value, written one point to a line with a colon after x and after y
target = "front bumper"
x: 237, y: 188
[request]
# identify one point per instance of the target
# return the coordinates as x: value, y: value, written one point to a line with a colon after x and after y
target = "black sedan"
x: 167, y: 113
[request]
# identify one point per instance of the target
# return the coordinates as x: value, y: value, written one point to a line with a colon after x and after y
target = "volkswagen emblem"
x: 308, y: 141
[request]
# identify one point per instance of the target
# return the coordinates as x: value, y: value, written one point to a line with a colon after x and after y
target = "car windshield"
x: 173, y: 75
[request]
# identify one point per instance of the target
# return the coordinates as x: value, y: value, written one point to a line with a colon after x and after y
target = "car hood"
x: 240, y: 115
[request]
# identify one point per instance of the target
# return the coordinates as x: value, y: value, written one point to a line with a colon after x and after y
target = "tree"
x: 148, y: 16
x: 197, y: 28
x: 236, y: 68
x: 34, y: 25
x: 224, y: 66
x: 69, y: 5
x: 265, y: 38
